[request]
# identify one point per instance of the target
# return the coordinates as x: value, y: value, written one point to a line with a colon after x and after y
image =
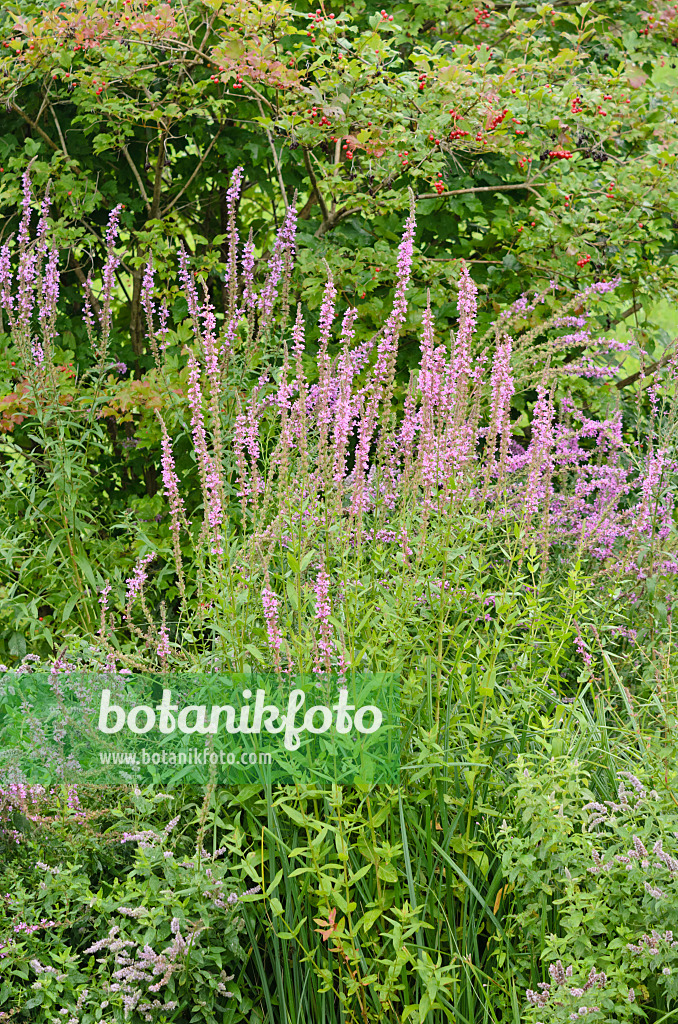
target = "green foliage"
x: 449, y: 897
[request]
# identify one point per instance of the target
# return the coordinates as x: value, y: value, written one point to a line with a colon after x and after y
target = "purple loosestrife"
x: 135, y: 583
x: 284, y: 245
x: 171, y: 482
x: 48, y: 280
x: 344, y: 412
x: 239, y: 441
x: 282, y: 401
x: 26, y: 274
x: 190, y: 292
x: 247, y: 265
x: 654, y: 516
x: 430, y: 388
x: 539, y: 452
x: 408, y: 430
x: 6, y: 297
x: 323, y: 609
x: 299, y: 410
x: 135, y: 590
x: 103, y: 601
x: 381, y: 379
x: 502, y: 389
x: 163, y: 649
x: 148, y: 303
x: 460, y: 433
x: 87, y: 314
x: 323, y: 411
x: 163, y: 329
x: 386, y: 351
x: 246, y: 437
x: 210, y: 350
x: 269, y: 601
x: 209, y: 469
x: 209, y: 344
x: 228, y: 334
x: 232, y: 199
x: 108, y: 280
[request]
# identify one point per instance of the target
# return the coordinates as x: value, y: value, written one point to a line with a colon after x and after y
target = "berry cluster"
x: 422, y: 82
x: 385, y: 16
x: 432, y: 138
x: 650, y: 25
x: 403, y: 157
x: 583, y: 260
x: 524, y: 160
x: 497, y: 119
x: 576, y: 107
x: 317, y: 20
x: 560, y: 154
x: 313, y: 113
x: 481, y: 16
x: 457, y: 133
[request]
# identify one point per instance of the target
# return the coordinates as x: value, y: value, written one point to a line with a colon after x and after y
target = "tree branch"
x: 192, y: 178
x: 58, y: 128
x: 314, y: 183
x: 135, y: 172
x: 36, y: 127
x: 157, y: 183
x: 648, y: 371
x: 482, y: 188
x: 83, y: 281
x: 335, y: 218
x: 275, y: 158
x: 629, y: 312
x: 305, y: 213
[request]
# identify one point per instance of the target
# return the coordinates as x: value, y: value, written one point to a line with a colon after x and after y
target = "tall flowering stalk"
x: 539, y: 453
x: 232, y: 198
x: 108, y: 277
x: 325, y: 391
x: 502, y: 389
x: 175, y: 501
x: 135, y: 591
x: 149, y: 309
x: 323, y: 610
x: 270, y: 605
x: 381, y: 381
x: 344, y: 415
x: 210, y: 475
x: 280, y: 260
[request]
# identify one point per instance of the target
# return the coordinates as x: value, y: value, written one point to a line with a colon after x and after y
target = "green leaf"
x: 69, y: 606
x: 256, y: 653
x: 292, y: 594
x: 387, y: 872
x: 368, y: 919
